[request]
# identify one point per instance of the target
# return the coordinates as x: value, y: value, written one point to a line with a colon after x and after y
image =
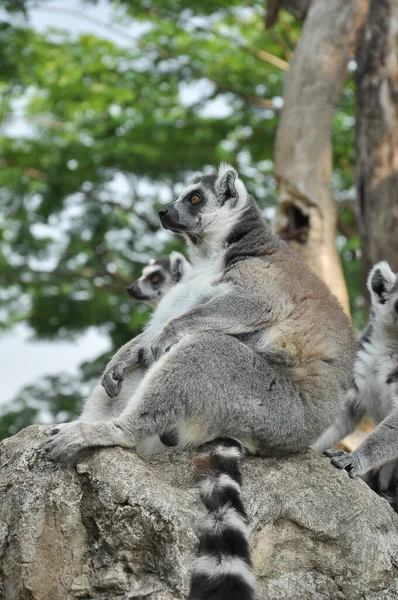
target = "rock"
x: 116, y: 526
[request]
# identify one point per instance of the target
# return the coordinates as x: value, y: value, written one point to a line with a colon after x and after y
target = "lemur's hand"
x: 392, y: 377
x: 344, y: 460
x: 112, y: 380
x: 165, y: 341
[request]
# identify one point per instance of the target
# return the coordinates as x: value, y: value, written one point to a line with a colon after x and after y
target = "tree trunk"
x: 306, y: 211
x: 377, y: 135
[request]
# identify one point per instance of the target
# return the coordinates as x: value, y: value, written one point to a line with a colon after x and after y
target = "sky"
x: 22, y: 359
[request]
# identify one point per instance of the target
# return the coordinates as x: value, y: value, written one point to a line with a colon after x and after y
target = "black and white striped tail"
x: 222, y: 568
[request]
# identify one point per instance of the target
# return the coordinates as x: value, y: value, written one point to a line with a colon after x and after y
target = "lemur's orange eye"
x: 155, y: 278
x: 195, y: 199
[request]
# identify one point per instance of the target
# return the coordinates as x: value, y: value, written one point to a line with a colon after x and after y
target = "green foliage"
x: 190, y: 85
x: 59, y: 396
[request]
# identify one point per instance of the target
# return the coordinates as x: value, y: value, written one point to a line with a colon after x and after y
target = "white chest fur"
x: 198, y: 284
x: 373, y: 364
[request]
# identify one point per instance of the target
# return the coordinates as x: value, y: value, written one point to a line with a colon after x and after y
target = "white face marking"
x: 191, y: 187
x: 148, y: 270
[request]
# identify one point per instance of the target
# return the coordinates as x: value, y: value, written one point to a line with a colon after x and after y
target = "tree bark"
x: 306, y: 211
x: 377, y: 135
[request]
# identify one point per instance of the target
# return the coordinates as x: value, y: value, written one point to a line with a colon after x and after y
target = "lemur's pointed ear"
x: 381, y: 280
x: 229, y: 186
x: 177, y: 265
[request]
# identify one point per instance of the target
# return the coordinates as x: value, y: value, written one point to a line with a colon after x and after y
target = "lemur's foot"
x: 343, y: 460
x: 65, y: 441
x: 112, y: 380
x: 68, y: 440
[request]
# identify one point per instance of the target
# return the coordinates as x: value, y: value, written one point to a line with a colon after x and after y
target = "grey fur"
x: 249, y: 345
x: 375, y: 392
x: 108, y: 399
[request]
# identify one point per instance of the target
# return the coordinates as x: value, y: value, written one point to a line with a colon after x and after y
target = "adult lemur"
x: 249, y: 345
x: 375, y: 392
x: 158, y: 277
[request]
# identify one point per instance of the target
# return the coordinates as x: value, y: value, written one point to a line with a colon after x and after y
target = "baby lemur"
x: 375, y: 392
x: 249, y: 345
x: 158, y: 277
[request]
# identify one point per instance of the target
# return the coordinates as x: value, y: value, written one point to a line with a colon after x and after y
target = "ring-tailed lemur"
x: 250, y: 345
x: 222, y: 568
x: 244, y: 346
x: 375, y: 391
x: 158, y: 277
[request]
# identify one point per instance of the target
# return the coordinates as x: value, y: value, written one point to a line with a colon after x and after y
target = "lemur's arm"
x: 344, y: 424
x: 128, y: 356
x: 233, y: 312
x: 379, y: 447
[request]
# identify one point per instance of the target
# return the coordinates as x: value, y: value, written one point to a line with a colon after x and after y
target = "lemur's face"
x: 158, y: 278
x: 205, y: 203
x: 383, y: 287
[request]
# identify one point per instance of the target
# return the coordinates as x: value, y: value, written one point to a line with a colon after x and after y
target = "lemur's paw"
x: 165, y: 341
x: 392, y: 377
x: 343, y: 460
x: 65, y: 441
x: 112, y: 380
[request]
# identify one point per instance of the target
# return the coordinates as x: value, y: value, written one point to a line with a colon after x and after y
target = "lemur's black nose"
x: 134, y: 291
x: 163, y: 212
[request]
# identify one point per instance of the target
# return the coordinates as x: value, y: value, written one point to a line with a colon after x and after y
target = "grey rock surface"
x: 116, y: 526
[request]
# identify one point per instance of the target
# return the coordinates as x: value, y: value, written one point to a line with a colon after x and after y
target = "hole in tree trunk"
x: 298, y: 225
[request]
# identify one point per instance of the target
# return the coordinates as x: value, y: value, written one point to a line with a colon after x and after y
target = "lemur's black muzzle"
x: 170, y: 219
x: 134, y: 292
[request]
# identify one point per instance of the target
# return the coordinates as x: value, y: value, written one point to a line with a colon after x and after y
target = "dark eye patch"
x: 155, y: 278
x: 195, y: 200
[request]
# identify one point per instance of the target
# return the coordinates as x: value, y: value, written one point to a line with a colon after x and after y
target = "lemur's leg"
x: 379, y: 447
x: 127, y: 357
x: 100, y: 407
x: 344, y: 424
x: 97, y: 407
x: 209, y: 385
